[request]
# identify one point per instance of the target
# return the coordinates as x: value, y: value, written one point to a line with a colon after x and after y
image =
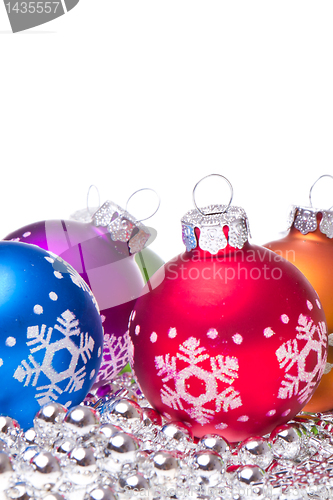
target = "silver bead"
x: 6, y: 470
x: 216, y: 443
x: 83, y: 466
x: 176, y: 435
x: 47, y: 470
x: 83, y: 457
x: 209, y: 467
x: 20, y: 491
x: 64, y: 446
x: 51, y: 413
x: 166, y: 466
x: 286, y: 441
x: 255, y: 451
x: 81, y: 420
x: 123, y: 412
x: 100, y: 492
x: 106, y: 431
x: 30, y: 436
x: 135, y: 483
x: 48, y: 420
x: 100, y: 437
x: 29, y: 452
x: 250, y: 474
x: 9, y: 430
x: 151, y: 417
x: 120, y: 450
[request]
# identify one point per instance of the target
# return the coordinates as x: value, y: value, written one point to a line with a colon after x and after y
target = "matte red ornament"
x: 102, y: 251
x: 233, y: 340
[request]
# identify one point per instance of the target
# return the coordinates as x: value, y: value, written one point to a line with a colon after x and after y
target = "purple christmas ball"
x: 102, y: 252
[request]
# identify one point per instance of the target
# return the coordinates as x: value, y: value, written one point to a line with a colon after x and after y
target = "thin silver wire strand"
x: 313, y: 185
x: 88, y: 195
x: 231, y: 195
x: 138, y: 191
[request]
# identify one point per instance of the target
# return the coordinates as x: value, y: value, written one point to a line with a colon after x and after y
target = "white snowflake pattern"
x: 223, y: 368
x: 115, y: 356
x: 40, y: 338
x: 290, y: 355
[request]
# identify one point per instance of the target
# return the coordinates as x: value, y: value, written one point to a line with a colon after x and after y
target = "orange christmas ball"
x: 309, y: 246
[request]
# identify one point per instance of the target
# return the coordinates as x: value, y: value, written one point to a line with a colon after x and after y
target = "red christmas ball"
x: 103, y: 252
x: 233, y: 340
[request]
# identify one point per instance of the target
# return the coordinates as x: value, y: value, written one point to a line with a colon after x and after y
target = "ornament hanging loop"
x: 145, y: 189
x: 313, y: 185
x: 230, y: 200
x: 91, y: 211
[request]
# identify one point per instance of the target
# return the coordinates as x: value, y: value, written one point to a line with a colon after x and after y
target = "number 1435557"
x: 33, y: 7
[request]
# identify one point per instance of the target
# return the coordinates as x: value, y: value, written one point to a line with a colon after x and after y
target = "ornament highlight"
x: 233, y: 341
x: 51, y: 332
x: 309, y: 246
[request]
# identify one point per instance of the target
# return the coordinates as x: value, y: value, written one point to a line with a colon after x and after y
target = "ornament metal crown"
x: 122, y: 226
x: 304, y: 219
x: 211, y: 222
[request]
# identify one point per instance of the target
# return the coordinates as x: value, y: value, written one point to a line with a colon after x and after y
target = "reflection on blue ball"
x: 51, y: 335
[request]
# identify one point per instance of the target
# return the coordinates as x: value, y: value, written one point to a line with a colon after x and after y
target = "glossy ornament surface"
x: 233, y: 340
x: 309, y: 246
x: 51, y: 334
x: 103, y: 252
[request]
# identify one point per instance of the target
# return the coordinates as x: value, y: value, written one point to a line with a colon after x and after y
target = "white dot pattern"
x: 92, y: 373
x: 285, y: 413
x: 318, y: 303
x: 270, y: 413
x: 212, y: 333
x: 268, y: 332
x: 221, y: 426
x: 243, y: 418
x: 38, y: 309
x: 153, y: 337
x: 310, y: 305
x: 284, y: 318
x: 25, y: 235
x: 137, y: 329
x: 172, y: 333
x: 53, y: 296
x: 10, y: 341
x: 237, y: 338
x: 57, y: 275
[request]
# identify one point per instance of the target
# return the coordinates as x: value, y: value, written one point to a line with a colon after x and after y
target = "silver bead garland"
x: 118, y: 447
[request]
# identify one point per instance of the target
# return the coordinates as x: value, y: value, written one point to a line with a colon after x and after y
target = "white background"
x: 129, y: 94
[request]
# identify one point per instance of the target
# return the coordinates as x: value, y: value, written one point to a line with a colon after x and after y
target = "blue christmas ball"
x: 51, y: 335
